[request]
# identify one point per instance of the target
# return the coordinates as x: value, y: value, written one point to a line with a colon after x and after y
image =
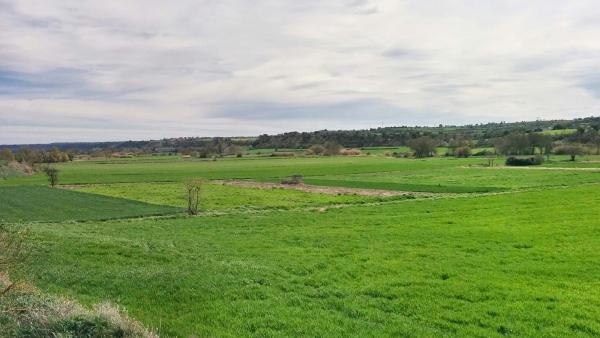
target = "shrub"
x: 315, y: 149
x: 293, y: 180
x: 571, y: 150
x: 331, y: 148
x: 351, y: 152
x: 27, y: 313
x: 15, y: 169
x: 282, y: 154
x: 52, y: 174
x: 463, y: 152
x: 192, y: 188
x: 484, y: 152
x: 12, y: 255
x: 515, y: 161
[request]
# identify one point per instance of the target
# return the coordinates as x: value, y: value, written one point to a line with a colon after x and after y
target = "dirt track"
x: 322, y: 189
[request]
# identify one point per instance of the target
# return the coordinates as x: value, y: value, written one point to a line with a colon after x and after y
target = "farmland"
x: 466, y: 249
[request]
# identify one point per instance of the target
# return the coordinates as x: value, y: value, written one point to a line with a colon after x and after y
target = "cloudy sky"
x: 118, y: 70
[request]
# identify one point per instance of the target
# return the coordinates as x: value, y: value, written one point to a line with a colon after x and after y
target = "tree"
x: 546, y: 145
x: 7, y: 155
x: 52, y: 174
x: 513, y: 144
x: 463, y: 152
x: 423, y: 146
x: 572, y: 150
x: 28, y: 155
x: 458, y: 143
x: 192, y: 188
x: 233, y: 150
x: 331, y: 148
x: 56, y: 155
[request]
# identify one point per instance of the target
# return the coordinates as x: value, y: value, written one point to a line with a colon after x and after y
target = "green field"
x: 559, y: 132
x: 37, y: 203
x: 499, y: 251
x: 222, y: 197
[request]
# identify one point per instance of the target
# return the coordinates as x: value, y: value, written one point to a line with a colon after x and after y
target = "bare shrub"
x: 52, y: 174
x: 463, y: 152
x: 331, y: 148
x: 28, y: 313
x: 315, y: 149
x: 293, y: 180
x: 282, y: 154
x: 192, y: 188
x: 12, y: 254
x: 571, y: 149
x: 350, y: 152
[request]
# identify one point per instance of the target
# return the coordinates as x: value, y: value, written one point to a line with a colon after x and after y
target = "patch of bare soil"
x: 321, y: 189
x: 73, y: 186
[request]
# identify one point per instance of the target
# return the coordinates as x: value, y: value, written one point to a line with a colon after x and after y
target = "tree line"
x: 33, y: 156
x: 519, y: 138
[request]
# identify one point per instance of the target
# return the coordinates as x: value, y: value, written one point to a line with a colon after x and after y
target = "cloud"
x: 74, y: 70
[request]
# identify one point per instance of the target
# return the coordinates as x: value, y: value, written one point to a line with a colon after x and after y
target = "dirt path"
x: 322, y: 189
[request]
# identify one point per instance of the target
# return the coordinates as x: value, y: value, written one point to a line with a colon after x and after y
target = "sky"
x: 77, y: 70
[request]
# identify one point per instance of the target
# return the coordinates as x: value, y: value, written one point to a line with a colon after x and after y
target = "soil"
x: 321, y: 189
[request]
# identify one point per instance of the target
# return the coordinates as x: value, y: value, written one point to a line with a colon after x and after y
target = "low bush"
x: 315, y: 149
x: 350, y: 152
x: 15, y: 169
x: 571, y: 150
x: 484, y: 152
x: 26, y: 312
x: 282, y: 154
x: 294, y: 179
x: 515, y: 161
x: 463, y: 152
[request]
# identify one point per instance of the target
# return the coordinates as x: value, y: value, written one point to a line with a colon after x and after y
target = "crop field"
x: 38, y: 203
x: 223, y: 197
x: 456, y: 248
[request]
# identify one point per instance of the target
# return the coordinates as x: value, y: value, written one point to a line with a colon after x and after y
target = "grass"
x: 559, y: 132
x: 435, y: 188
x: 25, y: 312
x: 474, y: 178
x: 244, y: 168
x: 32, y: 203
x: 521, y: 264
x: 216, y: 197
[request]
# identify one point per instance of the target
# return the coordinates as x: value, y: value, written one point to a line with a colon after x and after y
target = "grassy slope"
x: 32, y: 203
x: 221, y: 197
x: 339, y: 181
x: 436, y: 171
x: 523, y: 264
x: 257, y: 168
x: 463, y: 179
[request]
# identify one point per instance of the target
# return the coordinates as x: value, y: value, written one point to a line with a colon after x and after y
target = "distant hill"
x: 384, y: 136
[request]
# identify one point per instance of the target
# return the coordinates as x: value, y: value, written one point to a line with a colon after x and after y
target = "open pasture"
x: 97, y: 172
x: 219, y: 197
x: 43, y: 204
x: 463, y: 179
x: 522, y: 264
x: 514, y: 253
